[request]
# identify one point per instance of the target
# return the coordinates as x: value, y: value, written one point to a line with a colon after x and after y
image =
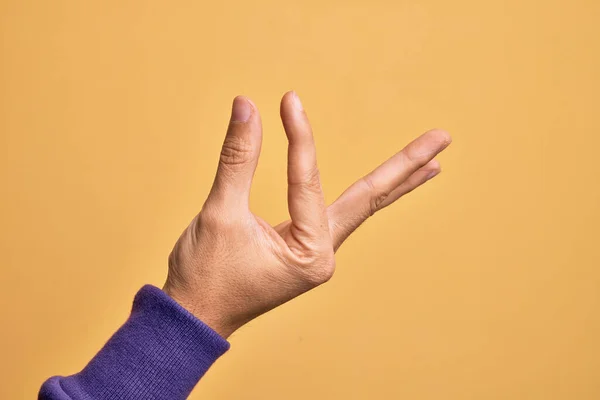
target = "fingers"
x: 429, y: 171
x: 305, y: 196
x: 385, y: 184
x: 239, y: 156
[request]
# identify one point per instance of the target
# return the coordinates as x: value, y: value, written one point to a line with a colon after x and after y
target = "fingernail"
x: 297, y: 102
x: 241, y: 110
x: 431, y: 175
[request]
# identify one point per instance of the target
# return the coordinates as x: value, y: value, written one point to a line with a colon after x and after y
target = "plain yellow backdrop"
x: 484, y: 284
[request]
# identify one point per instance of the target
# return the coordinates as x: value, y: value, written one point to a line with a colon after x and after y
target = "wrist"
x: 210, y: 316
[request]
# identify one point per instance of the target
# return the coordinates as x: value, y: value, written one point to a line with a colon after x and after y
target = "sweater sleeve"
x: 161, y: 352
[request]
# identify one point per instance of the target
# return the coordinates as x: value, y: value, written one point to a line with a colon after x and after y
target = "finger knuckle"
x: 377, y: 196
x: 236, y: 151
x: 311, y: 181
x: 414, y: 159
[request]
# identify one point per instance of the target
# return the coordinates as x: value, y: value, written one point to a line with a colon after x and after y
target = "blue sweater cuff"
x: 161, y: 352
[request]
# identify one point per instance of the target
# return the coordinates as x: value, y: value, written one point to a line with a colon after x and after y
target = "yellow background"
x: 484, y: 284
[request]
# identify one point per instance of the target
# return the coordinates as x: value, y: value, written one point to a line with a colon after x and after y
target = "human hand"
x: 229, y: 266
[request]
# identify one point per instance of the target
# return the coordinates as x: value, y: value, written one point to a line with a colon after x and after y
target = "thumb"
x: 239, y: 156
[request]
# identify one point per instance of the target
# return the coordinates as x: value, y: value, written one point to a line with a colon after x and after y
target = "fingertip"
x: 288, y: 96
x: 441, y: 135
x: 249, y: 100
x: 434, y: 165
x: 296, y: 101
x: 290, y: 102
x: 431, y: 169
x: 242, y: 109
x: 241, y: 97
x: 432, y: 174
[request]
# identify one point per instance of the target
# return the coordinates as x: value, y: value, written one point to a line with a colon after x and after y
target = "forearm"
x: 160, y: 352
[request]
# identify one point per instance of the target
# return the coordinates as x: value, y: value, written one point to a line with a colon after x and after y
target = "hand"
x: 229, y: 266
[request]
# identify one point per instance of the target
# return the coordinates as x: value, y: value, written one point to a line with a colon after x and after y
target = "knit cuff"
x: 161, y: 352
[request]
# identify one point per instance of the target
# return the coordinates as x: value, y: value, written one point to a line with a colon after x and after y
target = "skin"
x: 229, y: 266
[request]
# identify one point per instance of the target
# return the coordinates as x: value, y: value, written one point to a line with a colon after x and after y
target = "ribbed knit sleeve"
x: 161, y: 352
